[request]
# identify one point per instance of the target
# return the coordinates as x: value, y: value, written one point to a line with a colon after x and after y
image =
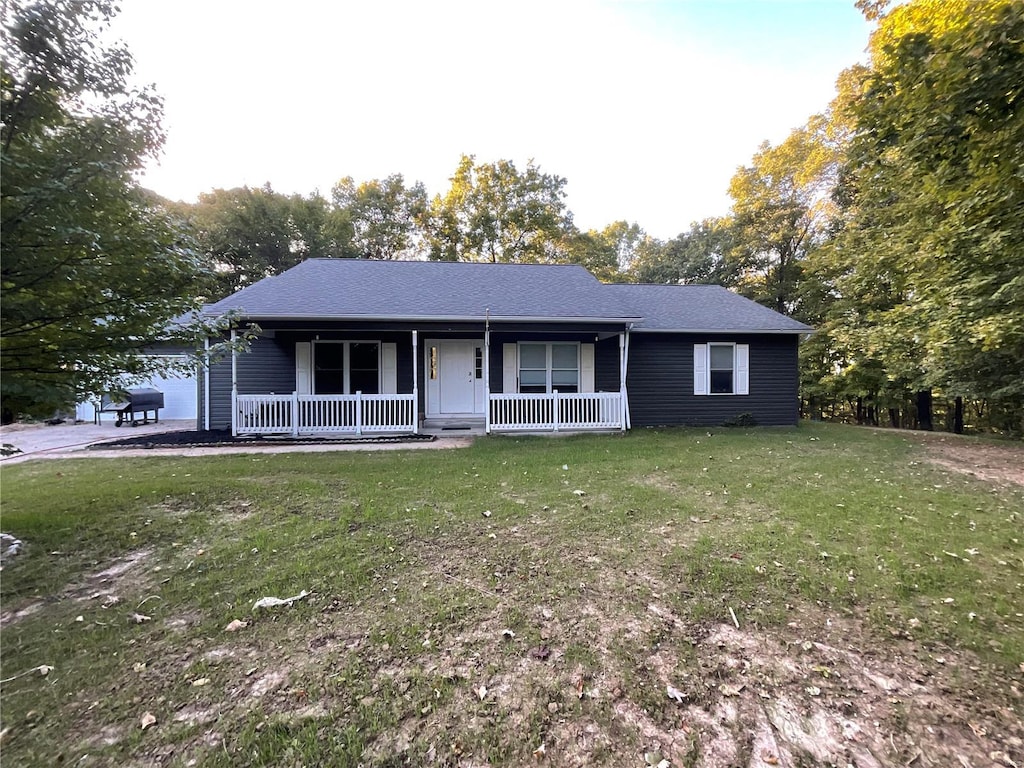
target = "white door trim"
x: 433, y: 368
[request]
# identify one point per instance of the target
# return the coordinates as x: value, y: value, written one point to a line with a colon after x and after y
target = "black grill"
x: 137, y: 401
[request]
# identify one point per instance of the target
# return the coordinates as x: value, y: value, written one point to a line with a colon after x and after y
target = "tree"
x: 936, y: 198
x: 249, y: 234
x: 493, y: 212
x: 781, y: 211
x: 702, y: 254
x: 385, y: 215
x: 606, y: 253
x: 94, y: 269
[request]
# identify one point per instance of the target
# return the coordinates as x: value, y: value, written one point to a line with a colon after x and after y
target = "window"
x: 720, y: 368
x: 346, y: 367
x: 478, y: 363
x: 546, y: 367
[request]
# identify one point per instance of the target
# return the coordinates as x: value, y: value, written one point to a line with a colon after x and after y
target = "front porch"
x: 398, y: 414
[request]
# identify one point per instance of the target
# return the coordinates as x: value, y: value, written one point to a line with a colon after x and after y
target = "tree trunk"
x: 958, y: 415
x: 924, y: 410
x: 860, y: 410
x: 894, y: 418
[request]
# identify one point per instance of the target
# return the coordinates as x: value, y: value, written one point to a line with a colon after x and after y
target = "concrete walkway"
x: 62, y: 441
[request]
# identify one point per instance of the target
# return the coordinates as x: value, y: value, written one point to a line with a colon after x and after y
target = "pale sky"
x: 646, y: 108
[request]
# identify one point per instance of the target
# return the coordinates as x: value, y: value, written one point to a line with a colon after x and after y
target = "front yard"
x: 812, y: 596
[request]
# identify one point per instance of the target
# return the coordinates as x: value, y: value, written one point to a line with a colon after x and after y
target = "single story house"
x: 362, y: 347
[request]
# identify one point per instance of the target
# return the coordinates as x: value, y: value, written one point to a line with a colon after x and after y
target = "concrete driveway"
x: 39, y: 441
x: 34, y: 440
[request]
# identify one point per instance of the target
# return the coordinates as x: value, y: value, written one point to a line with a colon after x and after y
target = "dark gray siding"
x: 268, y: 367
x: 660, y: 381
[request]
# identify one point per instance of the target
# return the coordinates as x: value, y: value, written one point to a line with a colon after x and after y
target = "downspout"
x: 206, y: 383
x: 487, y: 371
x: 415, y: 384
x: 234, y: 385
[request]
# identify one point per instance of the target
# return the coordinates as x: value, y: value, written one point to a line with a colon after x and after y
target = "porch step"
x: 453, y: 426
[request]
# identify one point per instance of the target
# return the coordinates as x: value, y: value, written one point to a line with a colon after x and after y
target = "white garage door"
x: 180, y: 395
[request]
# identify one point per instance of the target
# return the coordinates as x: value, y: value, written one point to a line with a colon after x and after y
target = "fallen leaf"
x: 139, y: 618
x: 147, y: 720
x: 539, y: 752
x: 769, y: 758
x: 487, y: 513
x: 139, y: 666
x: 675, y: 693
x: 200, y: 682
x: 44, y: 669
x: 578, y: 492
x: 813, y: 690
x: 730, y: 690
x: 507, y: 634
x: 482, y: 692
x: 236, y: 625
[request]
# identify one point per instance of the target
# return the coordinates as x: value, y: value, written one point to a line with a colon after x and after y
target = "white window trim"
x: 740, y: 369
x: 346, y: 372
x: 547, y: 361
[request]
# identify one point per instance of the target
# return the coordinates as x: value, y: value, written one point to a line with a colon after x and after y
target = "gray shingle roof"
x: 702, y: 308
x: 352, y: 289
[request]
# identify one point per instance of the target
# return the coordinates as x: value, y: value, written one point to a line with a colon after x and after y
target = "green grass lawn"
x: 470, y: 606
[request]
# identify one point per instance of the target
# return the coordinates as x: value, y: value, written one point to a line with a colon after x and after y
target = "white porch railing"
x: 556, y: 411
x: 296, y: 414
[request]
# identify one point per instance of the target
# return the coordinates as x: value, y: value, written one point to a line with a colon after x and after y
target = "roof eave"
x: 758, y: 331
x: 256, y: 316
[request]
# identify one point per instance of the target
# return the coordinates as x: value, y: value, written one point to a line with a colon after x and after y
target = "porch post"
x: 554, y: 409
x: 295, y: 414
x: 487, y: 372
x: 625, y: 368
x: 206, y: 383
x: 234, y: 386
x: 415, y: 385
x: 622, y: 382
x: 359, y: 412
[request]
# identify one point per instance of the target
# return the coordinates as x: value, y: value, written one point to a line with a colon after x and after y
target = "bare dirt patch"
x: 1003, y: 464
x: 104, y: 586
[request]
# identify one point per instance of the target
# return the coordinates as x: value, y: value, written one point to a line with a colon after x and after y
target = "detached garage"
x: 181, y: 395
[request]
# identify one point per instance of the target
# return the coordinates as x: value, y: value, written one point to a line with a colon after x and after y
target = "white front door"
x: 454, y: 377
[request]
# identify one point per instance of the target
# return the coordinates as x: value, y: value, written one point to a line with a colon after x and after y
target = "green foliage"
x: 607, y: 253
x: 94, y: 268
x: 702, y: 254
x: 248, y: 234
x: 495, y: 212
x: 385, y: 215
x: 934, y: 239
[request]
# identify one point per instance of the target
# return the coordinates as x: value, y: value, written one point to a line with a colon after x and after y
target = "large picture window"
x: 346, y: 367
x: 544, y: 367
